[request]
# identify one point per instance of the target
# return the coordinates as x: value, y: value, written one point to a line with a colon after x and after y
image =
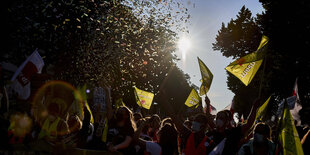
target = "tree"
x: 285, y: 25
x: 238, y: 38
x: 120, y: 43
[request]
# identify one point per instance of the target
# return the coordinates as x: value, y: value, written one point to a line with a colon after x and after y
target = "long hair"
x: 168, y: 139
x: 129, y: 122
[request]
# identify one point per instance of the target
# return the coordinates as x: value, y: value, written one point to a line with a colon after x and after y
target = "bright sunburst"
x: 184, y: 44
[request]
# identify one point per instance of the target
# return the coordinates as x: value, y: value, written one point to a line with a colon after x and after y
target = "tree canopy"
x: 121, y: 42
x: 285, y: 25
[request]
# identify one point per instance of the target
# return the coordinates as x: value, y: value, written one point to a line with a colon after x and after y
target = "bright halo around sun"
x: 184, y: 44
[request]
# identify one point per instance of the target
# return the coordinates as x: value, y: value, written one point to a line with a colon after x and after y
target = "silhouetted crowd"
x: 118, y: 130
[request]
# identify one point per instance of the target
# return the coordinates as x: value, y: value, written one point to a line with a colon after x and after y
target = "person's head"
x: 53, y: 109
x: 222, y: 120
x: 124, y: 117
x: 74, y: 123
x: 137, y: 116
x: 231, y: 120
x: 166, y: 120
x: 167, y: 138
x: 199, y: 123
x: 262, y: 133
x: 145, y: 127
x: 155, y: 121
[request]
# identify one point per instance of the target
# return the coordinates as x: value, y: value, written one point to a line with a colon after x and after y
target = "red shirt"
x: 190, y: 148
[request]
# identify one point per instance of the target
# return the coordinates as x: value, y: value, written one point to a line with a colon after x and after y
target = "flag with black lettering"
x: 193, y: 99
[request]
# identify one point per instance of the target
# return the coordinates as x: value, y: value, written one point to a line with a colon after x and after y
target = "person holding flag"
x: 194, y: 139
x: 223, y: 134
x: 21, y: 78
x: 288, y: 139
x: 260, y: 143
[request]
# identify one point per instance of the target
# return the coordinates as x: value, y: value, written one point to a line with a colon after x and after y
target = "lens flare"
x: 20, y: 124
x: 59, y: 94
x: 184, y: 44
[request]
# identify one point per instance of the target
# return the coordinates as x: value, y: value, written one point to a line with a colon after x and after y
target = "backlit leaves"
x: 119, y: 42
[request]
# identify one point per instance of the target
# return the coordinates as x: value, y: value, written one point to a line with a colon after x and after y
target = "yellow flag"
x: 207, y: 77
x: 82, y: 94
x: 246, y: 67
x: 258, y: 118
x: 144, y: 98
x: 288, y: 135
x: 193, y: 99
x: 105, y: 130
x: 91, y: 114
x: 261, y: 112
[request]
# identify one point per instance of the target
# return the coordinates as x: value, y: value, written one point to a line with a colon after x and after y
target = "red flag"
x: 21, y: 78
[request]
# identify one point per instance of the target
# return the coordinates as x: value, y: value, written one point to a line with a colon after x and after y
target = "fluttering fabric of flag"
x: 82, y: 93
x: 261, y: 112
x: 246, y: 67
x: 143, y: 98
x: 288, y: 135
x: 207, y: 77
x: 193, y: 99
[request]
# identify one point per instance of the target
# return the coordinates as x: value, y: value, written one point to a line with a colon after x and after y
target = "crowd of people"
x: 119, y: 130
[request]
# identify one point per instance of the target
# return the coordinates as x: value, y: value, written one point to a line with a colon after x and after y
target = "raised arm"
x: 209, y: 116
x: 252, y: 116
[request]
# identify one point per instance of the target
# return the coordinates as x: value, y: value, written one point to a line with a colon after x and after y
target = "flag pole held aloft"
x: 206, y: 78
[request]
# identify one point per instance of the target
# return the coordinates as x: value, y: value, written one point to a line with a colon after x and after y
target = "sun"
x: 184, y: 44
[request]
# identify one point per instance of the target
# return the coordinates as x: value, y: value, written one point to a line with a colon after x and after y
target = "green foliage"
x: 238, y: 38
x: 286, y: 25
x: 119, y: 43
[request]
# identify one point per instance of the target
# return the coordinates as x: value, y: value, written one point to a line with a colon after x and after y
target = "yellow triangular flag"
x: 246, y: 67
x: 288, y: 135
x: 207, y: 77
x: 105, y: 130
x: 193, y: 99
x: 144, y: 98
x: 261, y: 111
x: 81, y: 94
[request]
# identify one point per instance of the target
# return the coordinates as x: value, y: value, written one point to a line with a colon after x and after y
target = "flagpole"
x: 262, y: 77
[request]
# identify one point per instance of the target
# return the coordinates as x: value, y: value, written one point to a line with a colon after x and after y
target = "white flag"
x: 297, y: 106
x: 21, y: 78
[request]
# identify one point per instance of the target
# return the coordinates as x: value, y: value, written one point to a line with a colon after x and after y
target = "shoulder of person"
x: 62, y: 125
x: 234, y: 131
x: 153, y: 148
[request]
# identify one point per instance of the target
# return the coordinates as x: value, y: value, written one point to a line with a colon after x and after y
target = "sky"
x: 206, y: 19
